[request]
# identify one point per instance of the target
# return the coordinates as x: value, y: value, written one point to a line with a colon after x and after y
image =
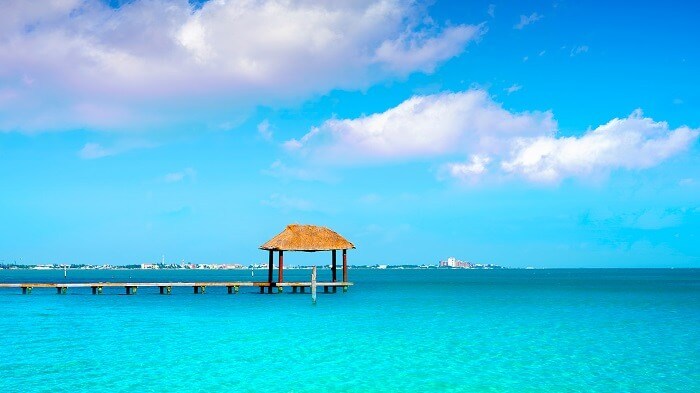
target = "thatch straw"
x: 307, y: 238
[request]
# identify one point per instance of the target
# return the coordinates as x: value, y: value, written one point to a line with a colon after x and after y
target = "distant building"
x: 454, y: 262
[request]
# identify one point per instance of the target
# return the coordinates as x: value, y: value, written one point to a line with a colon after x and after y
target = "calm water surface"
x: 397, y: 330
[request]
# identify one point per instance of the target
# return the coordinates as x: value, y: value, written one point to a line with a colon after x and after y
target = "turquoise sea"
x: 603, y: 330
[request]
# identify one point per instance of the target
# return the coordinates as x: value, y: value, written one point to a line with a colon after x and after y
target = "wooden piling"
x: 313, y: 285
x: 345, y: 265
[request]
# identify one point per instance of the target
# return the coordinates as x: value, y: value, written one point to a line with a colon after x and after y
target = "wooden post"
x: 130, y: 290
x: 61, y: 290
x: 230, y: 289
x: 313, y: 285
x: 162, y: 289
x: 280, y: 273
x: 94, y: 290
x: 334, y: 267
x: 270, y: 266
x: 345, y: 265
x: 26, y: 290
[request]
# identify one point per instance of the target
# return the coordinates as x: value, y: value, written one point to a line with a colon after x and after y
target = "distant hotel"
x: 454, y: 262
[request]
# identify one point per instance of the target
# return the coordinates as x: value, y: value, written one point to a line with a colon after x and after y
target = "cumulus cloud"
x: 82, y: 63
x: 527, y: 20
x: 423, y: 126
x: 470, y: 123
x: 635, y: 142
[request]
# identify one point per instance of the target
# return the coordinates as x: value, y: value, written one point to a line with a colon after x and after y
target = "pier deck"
x: 166, y: 287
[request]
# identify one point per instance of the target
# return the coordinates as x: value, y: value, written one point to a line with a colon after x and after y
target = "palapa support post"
x: 334, y: 266
x: 313, y: 285
x: 161, y: 289
x: 280, y: 273
x: 229, y: 289
x: 262, y: 289
x: 294, y: 289
x: 345, y: 265
x: 270, y: 263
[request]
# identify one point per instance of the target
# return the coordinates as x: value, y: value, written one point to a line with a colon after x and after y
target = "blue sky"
x: 549, y: 134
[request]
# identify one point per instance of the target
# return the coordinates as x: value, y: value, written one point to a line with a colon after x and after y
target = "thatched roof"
x: 307, y: 238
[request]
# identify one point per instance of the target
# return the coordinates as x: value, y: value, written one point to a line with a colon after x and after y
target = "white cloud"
x: 264, y: 130
x: 513, y: 88
x: 577, y: 50
x: 287, y: 203
x: 634, y: 142
x: 280, y: 170
x: 423, y: 126
x: 94, y: 150
x: 470, y: 123
x: 175, y: 177
x: 470, y: 170
x: 527, y: 20
x: 417, y: 52
x: 73, y: 63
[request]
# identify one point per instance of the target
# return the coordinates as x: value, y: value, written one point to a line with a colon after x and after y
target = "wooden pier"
x: 165, y: 288
x: 295, y: 237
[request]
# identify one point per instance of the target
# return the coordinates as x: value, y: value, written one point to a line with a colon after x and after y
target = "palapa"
x: 309, y: 238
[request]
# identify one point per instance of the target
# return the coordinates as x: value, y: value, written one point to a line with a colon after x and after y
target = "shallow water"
x: 395, y: 330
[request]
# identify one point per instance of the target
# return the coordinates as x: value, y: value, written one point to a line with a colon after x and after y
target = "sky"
x: 522, y: 133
